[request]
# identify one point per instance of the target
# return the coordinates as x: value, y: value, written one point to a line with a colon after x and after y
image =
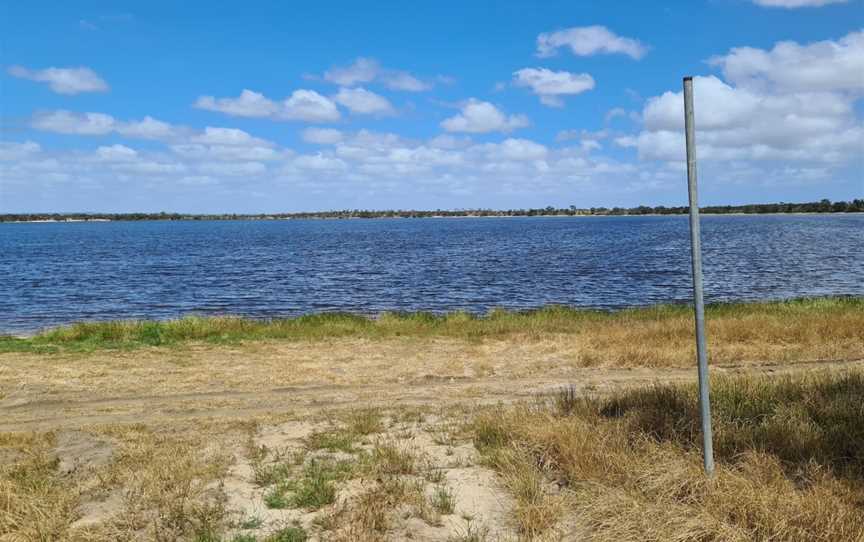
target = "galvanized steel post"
x: 696, y: 259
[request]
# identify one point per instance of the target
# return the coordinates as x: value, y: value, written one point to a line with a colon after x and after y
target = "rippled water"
x: 58, y: 273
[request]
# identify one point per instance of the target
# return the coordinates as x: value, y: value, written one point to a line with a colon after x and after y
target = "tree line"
x: 822, y: 206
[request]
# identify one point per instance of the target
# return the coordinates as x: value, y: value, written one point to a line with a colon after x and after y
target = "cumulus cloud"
x: 587, y: 41
x: 248, y: 104
x: 116, y: 153
x: 227, y: 152
x: 792, y: 4
x: 791, y: 103
x: 63, y: 80
x: 514, y: 149
x: 309, y: 106
x: 481, y: 117
x: 363, y: 70
x: 361, y: 101
x: 10, y: 150
x: 366, y: 70
x: 302, y: 105
x: 550, y: 85
x: 227, y: 136
x: 67, y: 122
x: 148, y: 128
x: 322, y: 136
x: 318, y: 162
x: 213, y: 142
x: 740, y: 123
x: 791, y: 67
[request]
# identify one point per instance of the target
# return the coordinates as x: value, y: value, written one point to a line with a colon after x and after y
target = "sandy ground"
x: 44, y: 392
x: 293, y: 388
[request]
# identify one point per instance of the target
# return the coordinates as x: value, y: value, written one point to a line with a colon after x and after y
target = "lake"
x: 57, y: 273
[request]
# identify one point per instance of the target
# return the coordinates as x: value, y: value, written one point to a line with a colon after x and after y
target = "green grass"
x: 89, y: 336
x: 315, y: 487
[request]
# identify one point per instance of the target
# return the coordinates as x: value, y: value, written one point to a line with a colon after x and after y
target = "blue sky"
x: 278, y: 106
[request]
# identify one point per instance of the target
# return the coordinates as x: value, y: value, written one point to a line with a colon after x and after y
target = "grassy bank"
x: 814, y: 328
x: 790, y: 457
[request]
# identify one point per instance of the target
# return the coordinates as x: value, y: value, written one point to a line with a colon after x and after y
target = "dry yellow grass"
x: 632, y: 470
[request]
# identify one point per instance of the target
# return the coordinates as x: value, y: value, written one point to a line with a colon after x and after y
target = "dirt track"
x: 67, y: 391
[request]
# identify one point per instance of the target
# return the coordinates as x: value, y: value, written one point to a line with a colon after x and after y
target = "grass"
x: 790, y: 461
x: 313, y: 489
x: 443, y: 500
x: 782, y: 329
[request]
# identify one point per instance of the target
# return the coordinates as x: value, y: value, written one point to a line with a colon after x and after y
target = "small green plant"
x: 471, y: 533
x: 386, y: 458
x: 336, y: 440
x: 288, y: 534
x: 443, y: 500
x: 316, y: 488
x: 434, y: 475
x: 265, y: 475
x: 244, y: 538
x: 365, y: 421
x: 276, y: 498
x: 252, y: 522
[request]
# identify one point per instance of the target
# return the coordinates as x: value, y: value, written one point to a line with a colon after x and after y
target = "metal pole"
x: 698, y: 302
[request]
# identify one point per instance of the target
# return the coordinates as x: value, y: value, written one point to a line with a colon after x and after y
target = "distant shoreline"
x: 275, y: 219
x: 824, y: 206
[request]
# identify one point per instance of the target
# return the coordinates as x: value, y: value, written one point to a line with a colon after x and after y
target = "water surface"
x: 56, y: 273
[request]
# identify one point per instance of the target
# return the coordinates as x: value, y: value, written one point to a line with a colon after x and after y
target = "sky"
x: 268, y: 106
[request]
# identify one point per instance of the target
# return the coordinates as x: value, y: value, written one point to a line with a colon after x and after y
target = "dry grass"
x: 789, y: 450
x: 823, y: 328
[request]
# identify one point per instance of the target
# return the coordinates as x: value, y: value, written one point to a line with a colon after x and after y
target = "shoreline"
x: 385, y: 324
x: 438, y: 217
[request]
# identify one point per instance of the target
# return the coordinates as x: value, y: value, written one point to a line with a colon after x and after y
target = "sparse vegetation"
x: 655, y: 336
x: 789, y: 451
x: 138, y: 447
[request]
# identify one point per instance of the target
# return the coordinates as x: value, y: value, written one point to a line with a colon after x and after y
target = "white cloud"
x: 67, y: 122
x: 792, y: 4
x: 587, y: 41
x: 63, y: 80
x: 148, y: 128
x: 248, y: 104
x: 514, y: 149
x: 322, y: 136
x: 234, y: 169
x: 227, y: 136
x: 739, y: 123
x: 791, y: 103
x: 551, y: 85
x: 227, y: 152
x: 302, y: 105
x: 10, y: 150
x: 116, y: 153
x: 368, y: 70
x: 482, y: 117
x: 407, y: 82
x: 363, y: 70
x: 361, y: 101
x: 309, y: 106
x: 790, y: 67
x: 318, y: 162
